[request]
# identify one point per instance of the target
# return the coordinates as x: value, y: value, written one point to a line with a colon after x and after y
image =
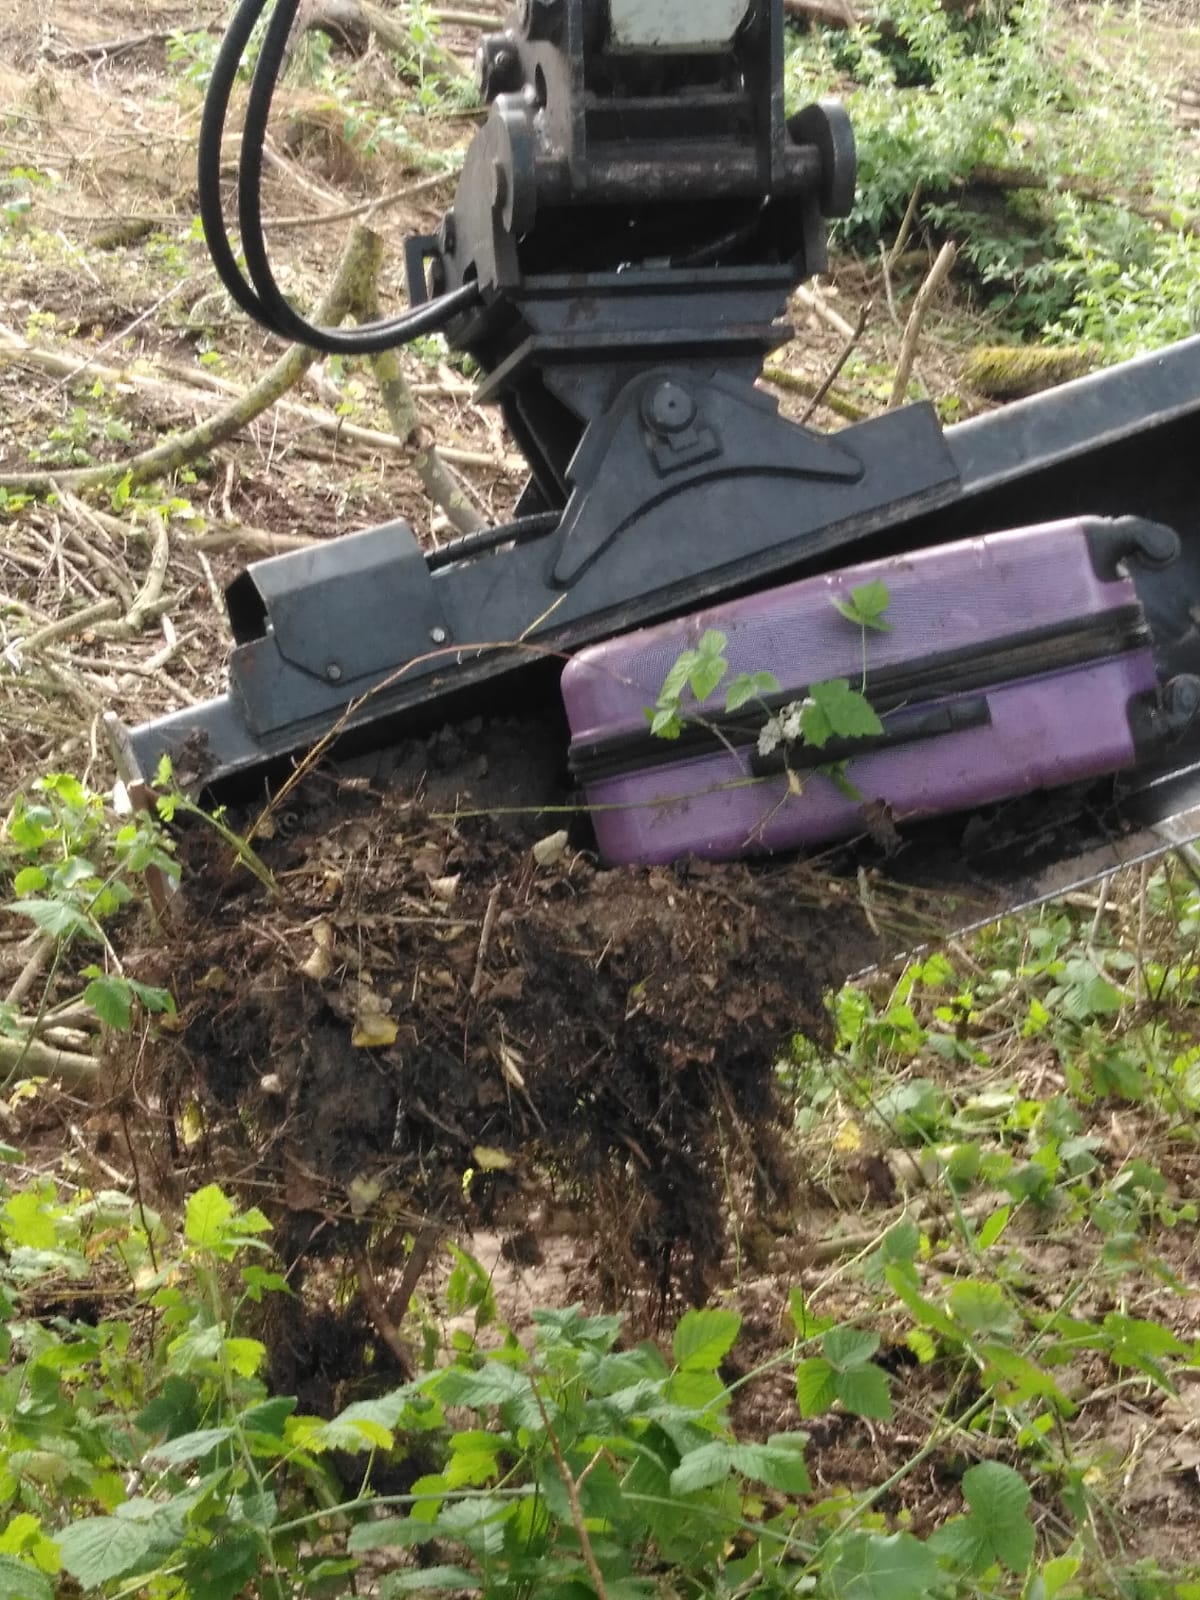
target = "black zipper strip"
x: 1035, y: 653
x: 901, y: 727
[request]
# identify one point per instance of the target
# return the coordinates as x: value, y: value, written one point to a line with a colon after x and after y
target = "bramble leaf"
x: 750, y: 686
x: 20, y: 1581
x: 99, y: 1548
x: 816, y: 1386
x: 872, y: 1566
x: 704, y: 1338
x: 865, y: 1393
x: 848, y: 713
x: 111, y: 1000
x: 849, y: 1347
x: 866, y: 606
x: 209, y: 1213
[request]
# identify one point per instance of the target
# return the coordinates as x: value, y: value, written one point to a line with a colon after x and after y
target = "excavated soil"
x: 448, y: 1014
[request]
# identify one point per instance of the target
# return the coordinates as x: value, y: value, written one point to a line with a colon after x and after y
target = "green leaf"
x: 706, y: 675
x: 779, y: 1463
x: 260, y: 1508
x: 701, y: 1468
x: 57, y: 918
x: 849, y: 1347
x: 157, y: 1001
x: 493, y: 1385
x: 864, y: 1392
x: 269, y: 1416
x: 998, y: 1528
x: 222, y: 1569
x: 871, y: 1566
x: 665, y: 723
x: 393, y: 1533
x: 245, y: 1356
x: 29, y: 880
x: 866, y: 606
x: 982, y: 1309
x: 696, y: 1389
x: 964, y: 1544
x: 99, y: 1548
x: 28, y: 1222
x: 850, y: 715
x: 111, y: 1000
x: 19, y: 1581
x: 209, y: 1213
x: 189, y: 1447
x: 995, y: 1225
x: 422, y: 1578
x: 676, y: 681
x: 175, y: 1409
x: 704, y: 1338
x: 750, y: 686
x: 995, y: 1493
x: 816, y: 1387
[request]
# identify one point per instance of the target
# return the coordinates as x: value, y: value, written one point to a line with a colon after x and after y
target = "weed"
x: 1094, y: 242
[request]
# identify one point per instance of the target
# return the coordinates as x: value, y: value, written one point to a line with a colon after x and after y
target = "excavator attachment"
x: 631, y: 220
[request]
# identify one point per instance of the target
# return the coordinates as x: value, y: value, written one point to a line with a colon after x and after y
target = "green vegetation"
x: 1059, y: 173
x: 144, y: 1451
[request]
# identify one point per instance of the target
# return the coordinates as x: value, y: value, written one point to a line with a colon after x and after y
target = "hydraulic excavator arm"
x: 631, y: 220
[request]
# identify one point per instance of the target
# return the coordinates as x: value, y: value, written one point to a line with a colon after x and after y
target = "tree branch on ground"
x: 938, y: 274
x: 352, y: 285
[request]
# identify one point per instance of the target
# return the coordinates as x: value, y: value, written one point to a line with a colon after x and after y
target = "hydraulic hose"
x: 261, y: 296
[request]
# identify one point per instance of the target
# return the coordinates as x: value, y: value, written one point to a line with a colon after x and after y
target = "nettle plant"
x: 831, y: 710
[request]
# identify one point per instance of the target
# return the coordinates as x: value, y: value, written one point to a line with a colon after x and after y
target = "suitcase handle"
x: 900, y: 727
x: 1113, y: 541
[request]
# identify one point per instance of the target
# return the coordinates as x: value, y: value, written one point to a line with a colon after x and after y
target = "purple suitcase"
x: 1015, y: 662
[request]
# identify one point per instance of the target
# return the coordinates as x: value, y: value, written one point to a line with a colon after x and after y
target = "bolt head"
x: 438, y: 635
x: 669, y: 408
x: 334, y: 672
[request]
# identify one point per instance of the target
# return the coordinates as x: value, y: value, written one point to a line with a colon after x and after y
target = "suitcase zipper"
x: 1036, y: 653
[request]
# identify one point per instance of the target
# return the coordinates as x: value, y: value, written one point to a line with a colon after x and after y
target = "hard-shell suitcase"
x: 1011, y: 663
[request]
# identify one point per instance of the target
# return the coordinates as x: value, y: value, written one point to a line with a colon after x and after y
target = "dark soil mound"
x: 432, y: 1019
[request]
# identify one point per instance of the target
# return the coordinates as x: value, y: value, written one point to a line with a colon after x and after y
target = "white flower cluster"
x: 785, y: 728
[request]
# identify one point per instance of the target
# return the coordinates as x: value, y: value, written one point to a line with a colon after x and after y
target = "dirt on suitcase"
x: 446, y: 1012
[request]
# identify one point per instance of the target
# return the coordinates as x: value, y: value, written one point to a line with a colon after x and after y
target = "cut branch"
x: 1140, y: 202
x: 938, y: 274
x: 443, y: 488
x: 33, y: 1059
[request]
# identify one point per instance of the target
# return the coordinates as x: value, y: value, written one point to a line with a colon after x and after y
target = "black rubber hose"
x: 212, y: 129
x: 522, y: 531
x: 264, y: 301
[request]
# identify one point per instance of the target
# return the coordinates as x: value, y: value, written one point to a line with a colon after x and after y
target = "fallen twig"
x: 356, y: 269
x: 443, y: 488
x: 835, y: 371
x: 816, y: 303
x: 77, y: 622
x: 150, y: 593
x: 380, y: 1319
x: 31, y: 971
x: 36, y: 1060
x: 108, y: 48
x: 938, y: 274
x: 485, y: 939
